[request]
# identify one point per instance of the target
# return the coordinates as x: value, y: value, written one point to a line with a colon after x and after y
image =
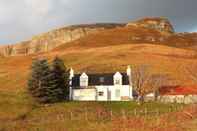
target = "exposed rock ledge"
x: 157, y: 23
x: 47, y: 41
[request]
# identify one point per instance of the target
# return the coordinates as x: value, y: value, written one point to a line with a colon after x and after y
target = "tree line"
x: 49, y: 83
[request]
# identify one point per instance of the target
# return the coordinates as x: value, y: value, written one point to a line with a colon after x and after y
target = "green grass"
x: 19, y: 112
x: 130, y: 106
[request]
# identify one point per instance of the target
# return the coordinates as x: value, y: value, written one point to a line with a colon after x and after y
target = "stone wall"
x: 185, y: 99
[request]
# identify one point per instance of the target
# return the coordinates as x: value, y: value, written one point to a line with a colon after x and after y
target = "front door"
x: 109, y: 95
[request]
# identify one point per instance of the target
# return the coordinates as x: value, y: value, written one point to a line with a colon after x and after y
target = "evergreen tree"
x: 39, y: 81
x: 33, y: 81
x: 59, y: 80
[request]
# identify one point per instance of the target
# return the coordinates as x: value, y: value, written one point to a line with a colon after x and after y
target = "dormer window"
x: 117, y: 82
x: 117, y: 79
x: 102, y: 80
x: 84, y: 80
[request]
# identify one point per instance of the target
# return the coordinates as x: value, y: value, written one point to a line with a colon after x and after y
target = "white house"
x: 101, y: 87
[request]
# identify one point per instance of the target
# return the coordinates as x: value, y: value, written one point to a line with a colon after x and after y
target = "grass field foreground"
x: 19, y: 112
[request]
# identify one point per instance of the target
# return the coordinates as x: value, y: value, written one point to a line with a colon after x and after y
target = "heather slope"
x: 162, y: 59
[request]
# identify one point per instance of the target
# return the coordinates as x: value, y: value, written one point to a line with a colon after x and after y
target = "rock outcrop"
x: 157, y: 23
x: 48, y: 41
x: 148, y: 30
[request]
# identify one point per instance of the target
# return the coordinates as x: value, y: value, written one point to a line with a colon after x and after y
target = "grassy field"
x: 19, y: 112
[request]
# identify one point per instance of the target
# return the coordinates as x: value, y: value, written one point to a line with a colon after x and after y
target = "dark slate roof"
x: 99, y: 79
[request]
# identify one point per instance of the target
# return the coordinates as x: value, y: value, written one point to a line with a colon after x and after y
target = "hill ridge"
x: 153, y: 30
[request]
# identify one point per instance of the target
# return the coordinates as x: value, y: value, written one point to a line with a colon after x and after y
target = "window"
x: 100, y: 93
x: 117, y: 82
x: 102, y: 79
x: 117, y: 79
x: 118, y: 93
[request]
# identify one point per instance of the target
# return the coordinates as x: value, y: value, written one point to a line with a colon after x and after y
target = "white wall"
x: 113, y: 90
x: 84, y: 94
x: 93, y: 94
x: 125, y: 91
x: 104, y: 90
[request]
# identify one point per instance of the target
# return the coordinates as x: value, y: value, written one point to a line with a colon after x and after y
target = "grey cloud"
x: 21, y: 19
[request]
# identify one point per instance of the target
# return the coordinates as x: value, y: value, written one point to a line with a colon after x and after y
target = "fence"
x: 110, y: 114
x: 105, y: 115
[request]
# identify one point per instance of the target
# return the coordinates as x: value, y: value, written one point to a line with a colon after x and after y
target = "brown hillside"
x: 162, y: 59
x: 110, y: 50
x: 147, y: 30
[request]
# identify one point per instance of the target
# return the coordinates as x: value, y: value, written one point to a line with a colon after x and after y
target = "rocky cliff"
x: 147, y: 30
x: 48, y: 41
x: 157, y: 23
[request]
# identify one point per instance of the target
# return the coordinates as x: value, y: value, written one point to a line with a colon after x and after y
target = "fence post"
x: 60, y: 117
x: 123, y: 114
x: 86, y: 114
x: 135, y: 112
x: 111, y: 114
x: 145, y: 111
x: 71, y: 116
x: 157, y: 112
x: 169, y: 110
x: 98, y: 115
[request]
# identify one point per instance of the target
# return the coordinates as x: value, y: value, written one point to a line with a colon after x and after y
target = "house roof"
x: 99, y: 79
x: 179, y: 90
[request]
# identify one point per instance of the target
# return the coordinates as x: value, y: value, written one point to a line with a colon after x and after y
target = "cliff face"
x: 50, y: 40
x: 156, y: 23
x: 148, y: 30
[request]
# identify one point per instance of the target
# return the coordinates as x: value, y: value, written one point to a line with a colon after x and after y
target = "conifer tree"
x: 33, y: 81
x: 39, y: 81
x: 59, y: 80
x: 48, y: 85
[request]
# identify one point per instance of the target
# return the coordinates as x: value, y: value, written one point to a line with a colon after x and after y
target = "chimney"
x: 129, y: 70
x: 71, y: 73
x: 130, y: 82
x: 70, y: 83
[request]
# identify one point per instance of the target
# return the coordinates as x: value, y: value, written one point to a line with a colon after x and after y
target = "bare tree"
x: 140, y: 77
x: 145, y: 82
x: 157, y: 82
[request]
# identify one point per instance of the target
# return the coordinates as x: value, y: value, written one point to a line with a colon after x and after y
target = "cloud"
x: 25, y: 18
x: 37, y: 6
x: 21, y: 19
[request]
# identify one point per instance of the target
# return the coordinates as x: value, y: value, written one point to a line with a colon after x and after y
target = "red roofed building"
x: 178, y: 94
x: 179, y: 90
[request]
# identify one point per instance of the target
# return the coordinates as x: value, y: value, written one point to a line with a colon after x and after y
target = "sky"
x: 22, y: 19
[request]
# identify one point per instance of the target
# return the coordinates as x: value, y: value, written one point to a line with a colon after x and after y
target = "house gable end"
x: 84, y: 80
x: 117, y: 78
